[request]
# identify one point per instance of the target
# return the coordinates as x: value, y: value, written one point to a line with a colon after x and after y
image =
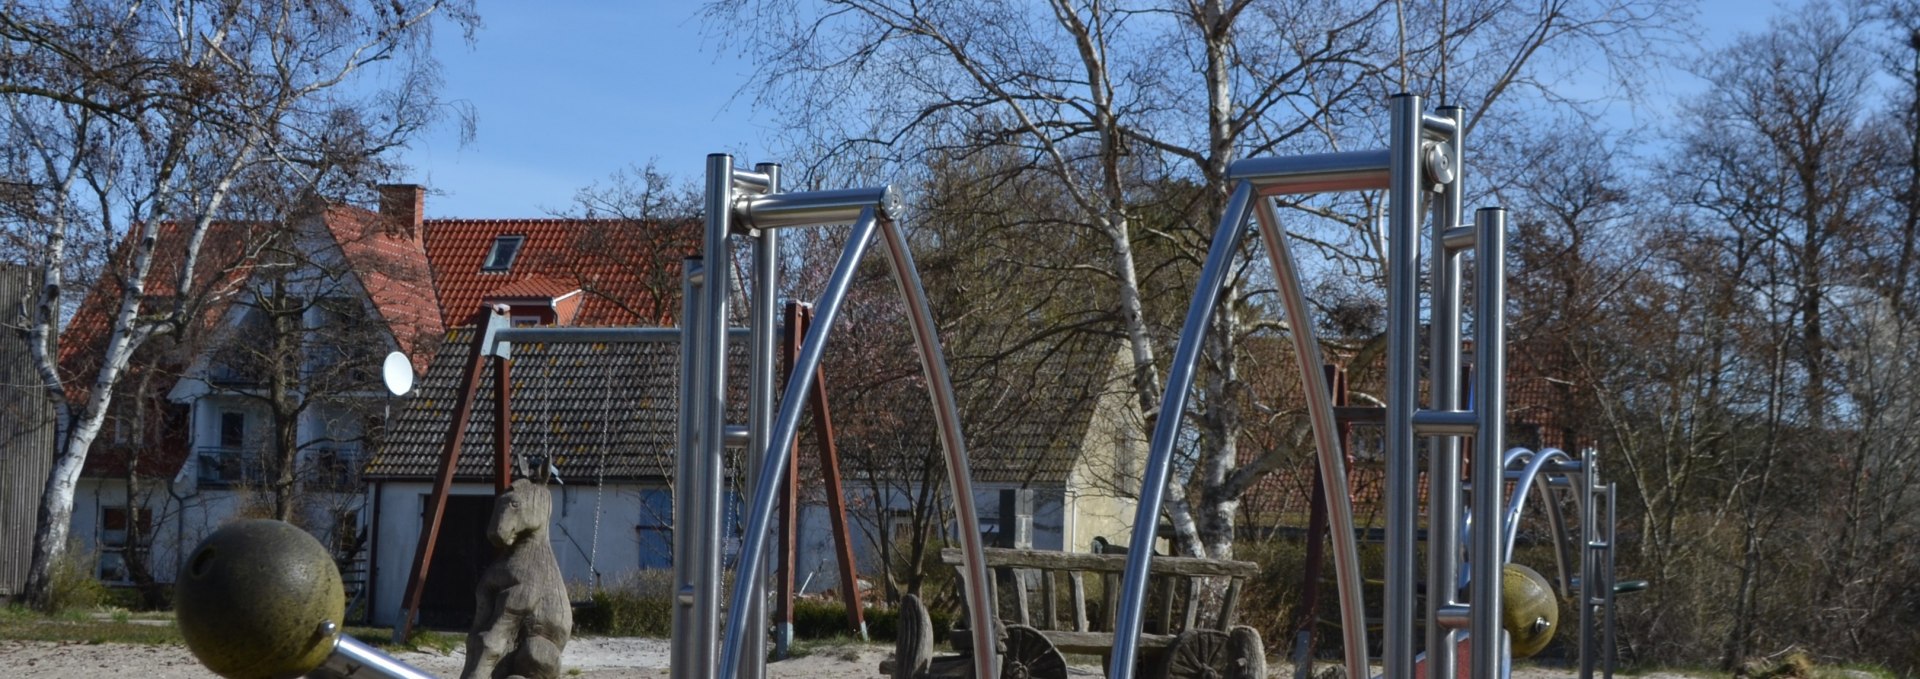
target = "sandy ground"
x: 593, y: 658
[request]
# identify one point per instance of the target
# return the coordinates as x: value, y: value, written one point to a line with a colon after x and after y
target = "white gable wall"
x: 626, y: 539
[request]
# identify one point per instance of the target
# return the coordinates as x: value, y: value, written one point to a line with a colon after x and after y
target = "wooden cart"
x: 1034, y: 635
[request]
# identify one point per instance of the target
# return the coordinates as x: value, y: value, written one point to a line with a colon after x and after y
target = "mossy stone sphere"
x: 1530, y: 613
x: 252, y: 597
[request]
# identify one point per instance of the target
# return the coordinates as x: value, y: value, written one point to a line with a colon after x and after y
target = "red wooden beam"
x: 485, y: 323
x: 799, y: 320
x: 836, y: 491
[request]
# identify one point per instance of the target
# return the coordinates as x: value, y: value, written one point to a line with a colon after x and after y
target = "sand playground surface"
x: 589, y: 657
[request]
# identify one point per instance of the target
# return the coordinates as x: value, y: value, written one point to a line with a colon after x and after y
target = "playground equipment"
x: 1423, y: 157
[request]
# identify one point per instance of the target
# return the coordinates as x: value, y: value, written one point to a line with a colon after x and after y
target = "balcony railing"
x: 333, y: 468
x: 227, y: 466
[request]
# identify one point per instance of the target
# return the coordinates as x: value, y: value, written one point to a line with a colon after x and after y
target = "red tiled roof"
x: 224, y: 263
x: 390, y: 264
x: 535, y: 286
x: 636, y: 263
x: 392, y: 267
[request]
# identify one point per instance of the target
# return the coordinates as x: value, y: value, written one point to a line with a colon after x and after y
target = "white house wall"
x: 612, y: 550
x: 180, y: 520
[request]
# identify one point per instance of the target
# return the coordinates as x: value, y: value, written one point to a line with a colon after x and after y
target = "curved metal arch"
x: 1516, y: 504
x: 1226, y: 242
x: 786, y: 426
x: 1534, y: 468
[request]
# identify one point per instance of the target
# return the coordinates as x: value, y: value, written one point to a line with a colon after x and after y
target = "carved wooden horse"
x: 523, y: 619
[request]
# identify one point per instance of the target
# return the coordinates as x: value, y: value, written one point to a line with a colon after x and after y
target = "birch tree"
x: 137, y: 123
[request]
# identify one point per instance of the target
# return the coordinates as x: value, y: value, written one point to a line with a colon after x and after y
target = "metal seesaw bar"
x: 1314, y: 173
x: 814, y: 208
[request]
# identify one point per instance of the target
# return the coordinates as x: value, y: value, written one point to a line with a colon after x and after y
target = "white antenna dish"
x: 398, y: 373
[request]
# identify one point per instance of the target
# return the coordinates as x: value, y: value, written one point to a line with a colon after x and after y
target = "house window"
x: 233, y: 430
x: 120, y: 530
x: 500, y: 258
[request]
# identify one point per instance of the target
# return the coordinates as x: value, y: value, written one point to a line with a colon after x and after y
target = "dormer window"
x: 500, y: 258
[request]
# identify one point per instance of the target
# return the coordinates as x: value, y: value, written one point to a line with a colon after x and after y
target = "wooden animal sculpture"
x: 523, y: 620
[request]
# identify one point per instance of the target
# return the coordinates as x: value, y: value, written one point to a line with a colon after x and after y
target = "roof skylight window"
x: 505, y: 249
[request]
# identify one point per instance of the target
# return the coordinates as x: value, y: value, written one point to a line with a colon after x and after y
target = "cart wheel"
x: 913, y: 641
x: 1199, y: 654
x: 1246, y: 654
x: 1029, y: 655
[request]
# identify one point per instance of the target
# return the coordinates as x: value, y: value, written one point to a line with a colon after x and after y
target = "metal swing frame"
x: 750, y: 205
x: 1423, y: 157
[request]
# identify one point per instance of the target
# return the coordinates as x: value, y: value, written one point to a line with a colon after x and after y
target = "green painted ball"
x: 252, y: 598
x: 1530, y: 612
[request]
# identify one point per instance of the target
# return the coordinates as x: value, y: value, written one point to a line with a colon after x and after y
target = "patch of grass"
x: 34, y: 627
x: 73, y: 583
x: 119, y: 626
x: 640, y: 605
x: 423, y: 639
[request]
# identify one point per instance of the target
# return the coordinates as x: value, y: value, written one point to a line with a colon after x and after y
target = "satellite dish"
x: 398, y: 373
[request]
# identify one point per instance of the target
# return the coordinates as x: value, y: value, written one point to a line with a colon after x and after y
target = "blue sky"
x: 566, y: 92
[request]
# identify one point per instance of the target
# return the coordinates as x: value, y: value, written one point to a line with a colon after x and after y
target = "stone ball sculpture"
x: 252, y: 598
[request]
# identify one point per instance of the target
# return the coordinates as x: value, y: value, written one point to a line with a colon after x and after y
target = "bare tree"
x: 138, y: 124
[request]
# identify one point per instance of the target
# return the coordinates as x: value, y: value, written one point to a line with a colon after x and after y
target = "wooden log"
x: 1105, y: 563
x: 1079, y: 585
x: 1049, y: 608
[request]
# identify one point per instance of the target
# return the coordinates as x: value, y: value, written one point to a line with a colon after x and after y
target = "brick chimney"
x: 402, y: 205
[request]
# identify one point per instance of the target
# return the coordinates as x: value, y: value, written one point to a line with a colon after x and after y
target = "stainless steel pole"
x: 766, y: 281
x: 1443, y: 452
x: 686, y: 548
x: 1403, y: 380
x: 1589, y: 481
x: 1166, y: 429
x: 759, y: 519
x: 946, y: 411
x: 1610, y: 650
x: 1490, y: 404
x: 711, y: 391
x: 1326, y: 436
x: 354, y: 659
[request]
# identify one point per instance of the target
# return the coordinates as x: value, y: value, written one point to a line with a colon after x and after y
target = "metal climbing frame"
x: 1423, y: 157
x: 750, y: 205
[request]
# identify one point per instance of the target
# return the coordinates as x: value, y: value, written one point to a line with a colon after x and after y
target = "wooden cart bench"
x: 1034, y: 632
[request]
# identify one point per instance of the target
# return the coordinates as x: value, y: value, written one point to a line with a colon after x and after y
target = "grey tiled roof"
x: 599, y: 410
x: 609, y: 411
x: 1028, y: 419
x: 1025, y: 416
